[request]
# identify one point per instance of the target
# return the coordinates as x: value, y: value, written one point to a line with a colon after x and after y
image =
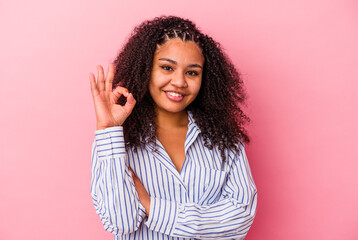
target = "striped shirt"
x: 207, y: 199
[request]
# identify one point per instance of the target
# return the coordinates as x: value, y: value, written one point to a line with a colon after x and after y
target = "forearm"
x: 224, y: 219
x: 113, y: 191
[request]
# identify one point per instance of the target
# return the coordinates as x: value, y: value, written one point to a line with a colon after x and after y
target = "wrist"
x: 109, y: 129
x: 100, y: 127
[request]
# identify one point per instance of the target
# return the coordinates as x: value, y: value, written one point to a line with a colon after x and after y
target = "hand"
x: 143, y: 195
x: 108, y: 112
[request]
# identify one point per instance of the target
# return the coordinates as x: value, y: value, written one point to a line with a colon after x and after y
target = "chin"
x: 172, y: 109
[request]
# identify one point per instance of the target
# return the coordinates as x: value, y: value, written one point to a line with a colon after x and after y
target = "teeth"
x: 174, y: 94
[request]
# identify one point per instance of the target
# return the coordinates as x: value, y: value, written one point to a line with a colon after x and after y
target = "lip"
x: 174, y: 97
x: 177, y: 92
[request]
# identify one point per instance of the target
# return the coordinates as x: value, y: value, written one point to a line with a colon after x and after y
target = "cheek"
x: 196, y: 87
x: 152, y: 88
x: 157, y: 81
x: 153, y: 82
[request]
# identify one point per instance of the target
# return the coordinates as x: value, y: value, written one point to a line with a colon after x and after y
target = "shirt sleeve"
x: 228, y: 218
x: 112, y: 189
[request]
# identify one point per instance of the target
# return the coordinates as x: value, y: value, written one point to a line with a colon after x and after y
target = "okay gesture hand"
x: 108, y: 112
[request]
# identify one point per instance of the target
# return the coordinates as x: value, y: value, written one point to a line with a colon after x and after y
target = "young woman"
x: 168, y: 160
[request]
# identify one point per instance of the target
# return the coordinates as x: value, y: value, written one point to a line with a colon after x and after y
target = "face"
x: 176, y: 75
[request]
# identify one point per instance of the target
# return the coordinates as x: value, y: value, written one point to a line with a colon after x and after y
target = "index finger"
x: 109, y: 77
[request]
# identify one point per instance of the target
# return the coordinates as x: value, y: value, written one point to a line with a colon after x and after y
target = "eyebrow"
x: 175, y: 63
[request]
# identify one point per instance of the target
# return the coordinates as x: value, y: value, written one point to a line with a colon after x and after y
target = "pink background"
x: 299, y: 60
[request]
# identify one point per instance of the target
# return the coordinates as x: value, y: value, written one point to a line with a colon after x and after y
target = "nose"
x: 179, y: 80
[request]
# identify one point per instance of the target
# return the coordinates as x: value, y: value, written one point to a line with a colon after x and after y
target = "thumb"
x: 130, y: 103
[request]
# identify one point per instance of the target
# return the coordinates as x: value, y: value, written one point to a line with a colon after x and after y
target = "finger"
x: 100, y: 78
x: 94, y: 89
x: 109, y: 77
x: 118, y: 92
x: 129, y: 104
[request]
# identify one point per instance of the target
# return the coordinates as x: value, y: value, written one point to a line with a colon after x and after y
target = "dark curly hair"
x: 216, y: 110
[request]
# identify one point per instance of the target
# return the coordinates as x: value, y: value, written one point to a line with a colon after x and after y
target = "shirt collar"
x: 193, y: 132
x: 192, y: 123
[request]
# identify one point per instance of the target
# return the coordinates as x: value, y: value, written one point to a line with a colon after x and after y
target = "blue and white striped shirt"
x: 207, y: 199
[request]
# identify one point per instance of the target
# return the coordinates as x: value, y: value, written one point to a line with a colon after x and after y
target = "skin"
x: 108, y: 112
x: 177, y: 69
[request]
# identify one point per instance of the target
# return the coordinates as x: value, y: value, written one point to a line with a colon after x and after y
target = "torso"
x: 173, y: 141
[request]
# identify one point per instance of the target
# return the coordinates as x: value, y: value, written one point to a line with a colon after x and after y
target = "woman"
x: 168, y: 160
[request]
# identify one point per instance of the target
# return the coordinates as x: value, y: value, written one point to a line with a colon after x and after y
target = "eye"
x: 167, y: 68
x: 192, y: 73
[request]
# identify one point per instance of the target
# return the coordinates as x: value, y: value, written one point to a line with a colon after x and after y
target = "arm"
x: 229, y: 218
x: 112, y: 189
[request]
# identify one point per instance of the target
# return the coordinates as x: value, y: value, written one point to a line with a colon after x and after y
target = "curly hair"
x: 216, y: 110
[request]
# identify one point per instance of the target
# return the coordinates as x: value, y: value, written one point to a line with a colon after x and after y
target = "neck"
x: 170, y: 120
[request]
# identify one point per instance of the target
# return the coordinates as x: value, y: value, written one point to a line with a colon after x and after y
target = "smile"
x: 174, y: 96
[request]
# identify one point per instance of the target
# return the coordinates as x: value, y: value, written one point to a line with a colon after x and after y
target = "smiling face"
x: 176, y: 75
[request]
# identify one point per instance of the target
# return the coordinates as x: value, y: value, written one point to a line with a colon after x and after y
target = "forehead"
x: 179, y: 50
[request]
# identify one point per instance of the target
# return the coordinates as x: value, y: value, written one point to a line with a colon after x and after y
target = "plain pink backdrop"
x: 299, y: 60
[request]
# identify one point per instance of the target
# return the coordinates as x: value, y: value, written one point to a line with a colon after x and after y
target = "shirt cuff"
x: 162, y: 215
x: 110, y: 141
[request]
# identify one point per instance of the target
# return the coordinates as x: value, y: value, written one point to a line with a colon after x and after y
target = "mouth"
x: 175, y: 96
